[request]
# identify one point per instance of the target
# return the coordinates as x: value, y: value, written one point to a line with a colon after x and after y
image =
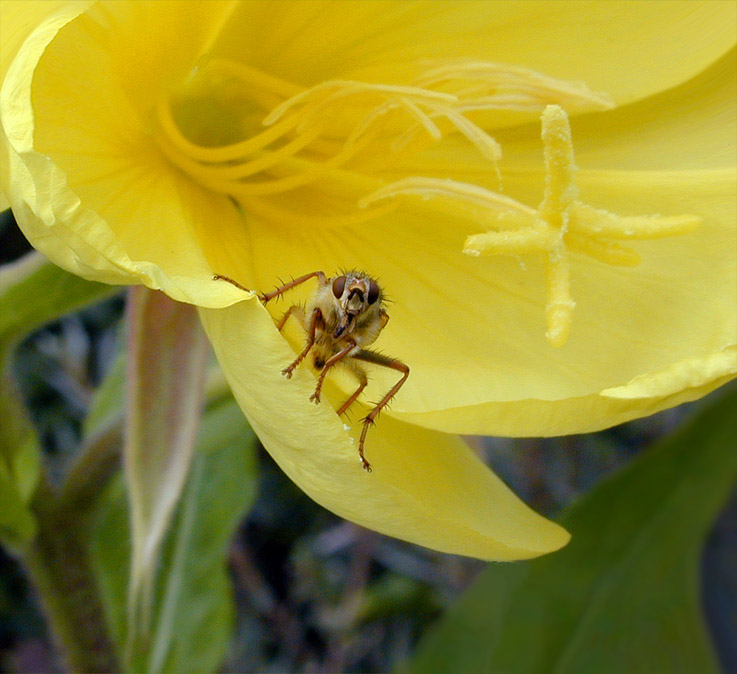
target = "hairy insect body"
x: 361, y: 332
x: 344, y: 316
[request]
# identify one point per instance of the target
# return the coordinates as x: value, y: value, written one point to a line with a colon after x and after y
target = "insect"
x: 344, y: 316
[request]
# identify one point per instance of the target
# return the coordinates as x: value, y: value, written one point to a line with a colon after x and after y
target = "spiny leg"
x: 362, y: 378
x: 294, y: 309
x: 266, y: 297
x: 233, y: 282
x: 315, y: 320
x: 336, y: 358
x: 394, y: 364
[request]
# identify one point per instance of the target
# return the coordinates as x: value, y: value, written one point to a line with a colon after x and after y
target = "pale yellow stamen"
x: 345, y: 88
x: 280, y: 137
x: 451, y: 189
x: 603, y: 251
x: 501, y: 86
x: 316, y: 133
x: 596, y: 222
x: 561, y: 222
x: 555, y: 211
x: 511, y: 242
x: 559, y: 306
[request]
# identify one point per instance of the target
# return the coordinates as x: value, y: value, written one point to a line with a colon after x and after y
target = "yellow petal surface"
x: 17, y: 21
x: 426, y: 487
x: 94, y: 192
x: 87, y: 185
x: 628, y: 49
x: 692, y: 126
x: 473, y: 330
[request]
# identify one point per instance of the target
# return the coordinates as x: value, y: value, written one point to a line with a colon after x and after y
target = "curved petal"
x: 628, y: 49
x: 426, y: 487
x: 20, y: 19
x: 87, y: 185
x: 692, y: 126
x: 472, y: 329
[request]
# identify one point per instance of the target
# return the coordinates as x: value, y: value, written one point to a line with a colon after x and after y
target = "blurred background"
x: 315, y: 593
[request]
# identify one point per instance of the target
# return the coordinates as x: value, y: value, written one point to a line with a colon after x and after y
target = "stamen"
x: 561, y: 222
x: 515, y: 242
x: 512, y: 87
x: 300, y: 144
x: 325, y: 133
x: 560, y: 190
x: 414, y: 110
x: 451, y: 189
x: 224, y: 153
x: 349, y: 88
x: 559, y: 305
x: 488, y: 147
x: 596, y: 222
x: 310, y: 173
x: 603, y: 251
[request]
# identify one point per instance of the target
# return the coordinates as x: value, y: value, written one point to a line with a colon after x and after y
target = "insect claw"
x: 315, y: 398
x: 366, y: 465
x: 287, y: 372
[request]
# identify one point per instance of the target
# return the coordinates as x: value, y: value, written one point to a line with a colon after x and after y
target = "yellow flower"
x: 161, y: 143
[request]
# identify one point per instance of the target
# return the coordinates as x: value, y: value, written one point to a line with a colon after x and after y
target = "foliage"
x: 623, y: 596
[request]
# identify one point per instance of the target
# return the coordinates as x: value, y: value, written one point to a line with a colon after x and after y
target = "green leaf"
x: 33, y: 292
x: 193, y: 610
x: 19, y: 449
x: 624, y: 595
x: 17, y: 524
x: 19, y: 467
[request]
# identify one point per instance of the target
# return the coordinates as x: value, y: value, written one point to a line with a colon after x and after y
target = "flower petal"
x: 18, y: 20
x: 86, y: 183
x: 617, y: 47
x: 689, y: 127
x: 472, y: 329
x: 425, y: 487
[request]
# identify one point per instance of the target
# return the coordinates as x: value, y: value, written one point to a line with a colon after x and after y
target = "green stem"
x: 98, y: 460
x: 60, y: 569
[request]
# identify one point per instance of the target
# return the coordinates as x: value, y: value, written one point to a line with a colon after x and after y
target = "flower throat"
x: 238, y: 131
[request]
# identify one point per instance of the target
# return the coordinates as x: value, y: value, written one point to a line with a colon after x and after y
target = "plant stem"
x: 59, y: 567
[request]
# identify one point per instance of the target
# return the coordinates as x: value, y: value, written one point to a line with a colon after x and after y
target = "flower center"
x: 238, y: 131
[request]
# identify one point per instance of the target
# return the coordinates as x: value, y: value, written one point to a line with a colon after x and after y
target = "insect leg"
x: 394, y: 364
x: 220, y: 277
x: 336, y: 358
x: 315, y: 320
x: 363, y: 379
x: 294, y: 309
x: 266, y: 297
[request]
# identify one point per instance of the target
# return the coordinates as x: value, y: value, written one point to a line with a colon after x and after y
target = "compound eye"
x: 339, y: 286
x: 373, y: 294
